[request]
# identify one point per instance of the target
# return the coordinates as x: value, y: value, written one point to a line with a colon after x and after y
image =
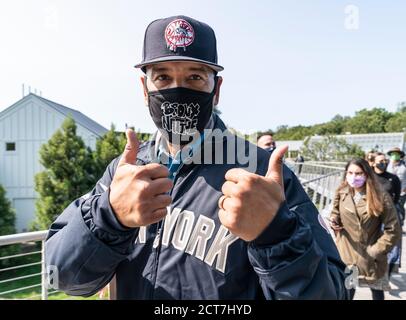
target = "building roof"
x: 79, y: 117
x: 294, y: 145
x: 368, y: 141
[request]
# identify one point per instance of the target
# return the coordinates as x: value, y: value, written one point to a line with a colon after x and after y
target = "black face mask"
x: 381, y: 166
x: 270, y: 149
x: 180, y: 113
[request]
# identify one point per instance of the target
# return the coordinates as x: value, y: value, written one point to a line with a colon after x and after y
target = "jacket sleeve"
x: 86, y: 242
x: 396, y: 189
x: 335, y: 211
x: 295, y: 257
x: 391, y: 231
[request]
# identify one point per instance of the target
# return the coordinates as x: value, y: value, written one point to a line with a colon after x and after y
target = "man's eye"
x: 162, y: 77
x: 196, y: 77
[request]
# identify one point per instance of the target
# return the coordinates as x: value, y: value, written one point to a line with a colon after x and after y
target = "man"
x: 169, y: 228
x: 389, y: 181
x: 370, y: 157
x: 299, y: 161
x: 391, y: 184
x: 266, y: 142
x: 398, y: 167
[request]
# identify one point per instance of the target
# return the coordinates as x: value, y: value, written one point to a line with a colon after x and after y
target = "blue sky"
x: 286, y: 62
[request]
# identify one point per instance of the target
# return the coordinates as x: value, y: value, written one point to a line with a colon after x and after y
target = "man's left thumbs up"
x: 250, y: 202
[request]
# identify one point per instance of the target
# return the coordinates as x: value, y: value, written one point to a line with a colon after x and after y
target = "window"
x: 10, y: 146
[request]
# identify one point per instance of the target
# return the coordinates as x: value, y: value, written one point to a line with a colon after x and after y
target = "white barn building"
x: 24, y: 127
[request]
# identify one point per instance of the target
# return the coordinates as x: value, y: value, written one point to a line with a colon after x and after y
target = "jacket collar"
x: 358, y: 209
x: 346, y: 190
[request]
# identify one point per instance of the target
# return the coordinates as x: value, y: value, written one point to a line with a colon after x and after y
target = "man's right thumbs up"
x: 139, y: 194
x: 131, y: 148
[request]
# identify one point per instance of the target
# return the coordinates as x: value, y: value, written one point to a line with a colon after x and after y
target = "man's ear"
x: 217, y: 95
x: 144, y: 88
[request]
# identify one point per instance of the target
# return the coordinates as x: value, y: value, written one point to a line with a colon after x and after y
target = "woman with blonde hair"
x: 366, y: 226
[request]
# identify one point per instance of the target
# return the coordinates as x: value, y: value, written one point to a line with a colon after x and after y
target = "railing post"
x: 322, y: 194
x: 44, y: 283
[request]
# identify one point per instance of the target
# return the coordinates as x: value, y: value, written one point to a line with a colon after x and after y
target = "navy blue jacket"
x: 190, y: 254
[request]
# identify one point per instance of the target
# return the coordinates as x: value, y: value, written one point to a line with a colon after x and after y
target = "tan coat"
x: 362, y: 241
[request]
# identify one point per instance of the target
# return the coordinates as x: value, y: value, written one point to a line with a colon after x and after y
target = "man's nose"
x: 178, y: 82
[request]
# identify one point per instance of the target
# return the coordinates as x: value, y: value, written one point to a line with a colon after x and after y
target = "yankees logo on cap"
x: 179, y: 38
x: 179, y: 34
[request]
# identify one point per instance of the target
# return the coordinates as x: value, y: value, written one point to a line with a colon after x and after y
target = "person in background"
x: 391, y: 184
x: 360, y: 209
x: 370, y: 157
x: 398, y: 167
x: 266, y: 142
x: 299, y: 160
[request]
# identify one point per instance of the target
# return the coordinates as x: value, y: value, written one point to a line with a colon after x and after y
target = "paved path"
x: 397, y: 281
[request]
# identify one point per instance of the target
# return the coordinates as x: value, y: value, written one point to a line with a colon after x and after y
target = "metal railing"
x: 320, y: 181
x: 24, y: 239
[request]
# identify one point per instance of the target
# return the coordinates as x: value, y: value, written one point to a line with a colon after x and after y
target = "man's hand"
x: 138, y: 193
x: 250, y: 201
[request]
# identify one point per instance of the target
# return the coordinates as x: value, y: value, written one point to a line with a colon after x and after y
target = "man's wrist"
x: 281, y: 228
x: 109, y: 219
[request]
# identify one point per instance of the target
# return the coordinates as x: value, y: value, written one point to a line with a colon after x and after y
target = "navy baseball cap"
x: 179, y: 38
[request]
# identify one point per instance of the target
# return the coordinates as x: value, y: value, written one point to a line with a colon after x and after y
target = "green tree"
x: 110, y: 146
x: 397, y: 123
x: 143, y: 137
x: 7, y: 215
x: 335, y: 126
x: 293, y: 133
x: 376, y: 120
x: 7, y: 225
x: 69, y: 173
x: 368, y: 121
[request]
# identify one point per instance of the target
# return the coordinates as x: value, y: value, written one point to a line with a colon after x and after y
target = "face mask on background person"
x: 381, y: 166
x: 356, y: 181
x: 270, y: 149
x: 395, y: 156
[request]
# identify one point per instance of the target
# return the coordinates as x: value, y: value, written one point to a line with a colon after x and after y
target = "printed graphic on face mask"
x: 180, y: 118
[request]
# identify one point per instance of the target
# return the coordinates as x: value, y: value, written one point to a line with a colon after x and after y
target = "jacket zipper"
x: 157, y: 250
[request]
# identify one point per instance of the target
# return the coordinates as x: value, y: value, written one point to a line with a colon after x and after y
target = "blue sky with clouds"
x: 286, y: 62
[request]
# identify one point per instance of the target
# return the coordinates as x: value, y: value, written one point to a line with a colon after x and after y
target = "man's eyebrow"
x: 158, y: 69
x: 201, y: 69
